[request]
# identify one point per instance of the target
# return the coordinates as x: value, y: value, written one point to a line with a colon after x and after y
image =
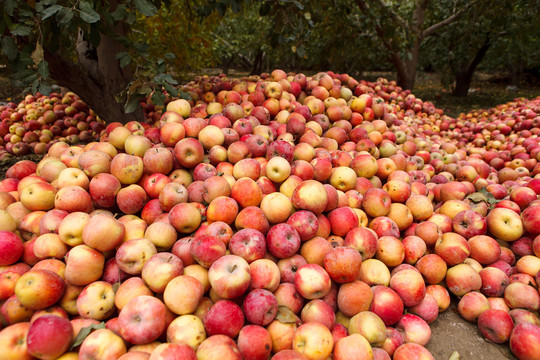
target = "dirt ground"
x: 450, y: 332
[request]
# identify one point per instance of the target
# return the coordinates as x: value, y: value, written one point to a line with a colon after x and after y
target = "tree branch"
x: 479, y: 54
x: 378, y: 28
x: 394, y: 14
x: 433, y: 28
x: 418, y: 17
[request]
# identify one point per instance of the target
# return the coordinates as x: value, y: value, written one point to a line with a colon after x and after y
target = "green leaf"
x: 64, y: 16
x: 44, y: 88
x: 31, y: 78
x: 477, y: 197
x: 9, y: 6
x: 21, y: 30
x: 9, y: 47
x: 171, y: 90
x: 132, y: 103
x: 145, y: 7
x: 50, y: 11
x: 35, y: 85
x: 131, y: 18
x: 170, y: 56
x: 184, y: 95
x: 285, y: 315
x: 125, y: 61
x: 158, y: 98
x: 144, y: 90
x: 161, y: 78
x: 88, y: 14
x: 43, y: 69
x: 84, y: 332
x: 119, y: 13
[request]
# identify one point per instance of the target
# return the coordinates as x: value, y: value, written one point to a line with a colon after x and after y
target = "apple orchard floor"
x: 449, y: 332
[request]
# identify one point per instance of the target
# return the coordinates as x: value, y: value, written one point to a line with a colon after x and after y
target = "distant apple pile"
x: 38, y: 121
x: 283, y: 217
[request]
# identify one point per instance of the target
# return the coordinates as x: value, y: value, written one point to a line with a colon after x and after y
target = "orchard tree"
x: 90, y: 48
x: 403, y: 27
x: 498, y: 33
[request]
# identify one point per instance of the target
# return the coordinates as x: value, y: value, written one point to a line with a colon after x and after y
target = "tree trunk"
x: 258, y: 62
x: 97, y: 78
x: 463, y: 83
x: 465, y: 74
x: 406, y: 70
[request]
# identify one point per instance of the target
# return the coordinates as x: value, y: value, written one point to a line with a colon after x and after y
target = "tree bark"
x: 97, y: 78
x: 406, y: 68
x: 465, y: 74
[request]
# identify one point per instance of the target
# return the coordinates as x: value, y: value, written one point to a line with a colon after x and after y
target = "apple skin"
x: 409, y: 285
x: 519, y: 295
x: 310, y: 195
x: 103, y: 233
x: 369, y: 325
x: 505, y: 224
x: 207, y: 249
x: 254, y: 342
x: 265, y: 274
x: 320, y: 311
x: 305, y: 223
x: 494, y: 281
x: 160, y: 269
x: 260, y: 307
x: 38, y: 196
x: 49, y: 336
x: 472, y: 305
x: 531, y: 218
x: 386, y: 304
x: 283, y: 241
x: 250, y: 244
x: 186, y: 288
x: 13, y: 341
x: 189, y: 152
x: 102, y: 343
x: 313, y: 340
x: 186, y: 329
x: 229, y: 276
x: 218, y: 347
x: 363, y: 240
x: 412, y: 351
x: 353, y: 347
x: 495, y: 325
x: 463, y: 278
x: 343, y: 264
x: 84, y: 265
x: 169, y: 352
x: 11, y: 248
x: 524, y: 341
x: 376, y: 202
x: 414, y: 329
x: 39, y: 289
x: 142, y: 320
x: 312, y: 281
x: 96, y: 301
x: 224, y: 318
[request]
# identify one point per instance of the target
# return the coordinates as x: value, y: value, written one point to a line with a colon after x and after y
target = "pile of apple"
x: 38, y: 121
x: 283, y: 217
